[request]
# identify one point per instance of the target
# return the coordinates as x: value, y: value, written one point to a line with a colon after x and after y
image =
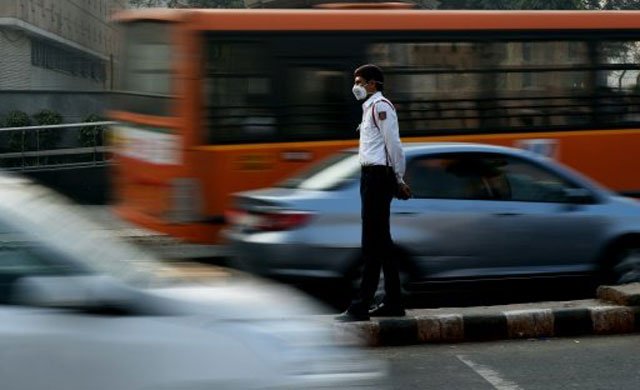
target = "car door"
x: 62, y: 348
x: 453, y: 226
x: 481, y: 215
x: 547, y: 231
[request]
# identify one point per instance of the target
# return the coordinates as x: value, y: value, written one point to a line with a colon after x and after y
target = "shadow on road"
x: 336, y: 294
x: 471, y: 293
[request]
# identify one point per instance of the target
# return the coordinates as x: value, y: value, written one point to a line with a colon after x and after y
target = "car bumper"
x: 279, y: 259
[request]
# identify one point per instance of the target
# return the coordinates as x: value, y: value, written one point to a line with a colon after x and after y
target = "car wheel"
x: 626, y: 265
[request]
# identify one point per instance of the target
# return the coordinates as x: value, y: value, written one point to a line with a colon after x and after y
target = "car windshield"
x: 327, y: 175
x: 42, y: 233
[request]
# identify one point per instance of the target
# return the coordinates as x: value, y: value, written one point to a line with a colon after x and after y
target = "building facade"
x: 58, y: 45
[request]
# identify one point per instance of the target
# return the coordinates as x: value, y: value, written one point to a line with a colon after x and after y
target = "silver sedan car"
x: 80, y: 309
x: 478, y: 212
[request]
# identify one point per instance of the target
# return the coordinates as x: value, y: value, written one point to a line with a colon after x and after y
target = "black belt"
x: 374, y: 168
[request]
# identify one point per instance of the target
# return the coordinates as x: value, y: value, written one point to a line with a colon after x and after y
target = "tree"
x: 427, y: 4
x: 147, y: 3
x: 47, y: 139
x: 187, y: 3
x: 618, y: 4
x: 550, y: 4
x: 17, y: 119
x: 513, y: 4
x: 540, y: 4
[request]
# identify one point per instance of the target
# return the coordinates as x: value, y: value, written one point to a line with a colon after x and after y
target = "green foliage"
x: 213, y: 4
x: 147, y: 3
x: 47, y: 117
x: 550, y: 4
x: 48, y: 138
x: 512, y: 4
x: 187, y: 3
x: 618, y: 4
x: 427, y: 4
x: 30, y: 140
x: 16, y: 119
x: 91, y: 135
x: 540, y: 4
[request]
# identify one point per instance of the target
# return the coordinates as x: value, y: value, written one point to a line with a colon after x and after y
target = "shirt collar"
x: 372, y: 99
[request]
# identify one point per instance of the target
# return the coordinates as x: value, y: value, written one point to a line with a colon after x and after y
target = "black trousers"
x: 377, y: 186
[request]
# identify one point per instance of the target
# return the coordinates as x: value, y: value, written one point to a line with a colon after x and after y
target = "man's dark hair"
x: 371, y: 72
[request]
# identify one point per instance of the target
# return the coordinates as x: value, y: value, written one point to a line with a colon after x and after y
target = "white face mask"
x: 359, y: 92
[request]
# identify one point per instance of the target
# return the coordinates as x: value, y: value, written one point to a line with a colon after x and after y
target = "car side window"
x: 484, y: 176
x: 531, y: 183
x: 20, y: 260
x: 458, y: 176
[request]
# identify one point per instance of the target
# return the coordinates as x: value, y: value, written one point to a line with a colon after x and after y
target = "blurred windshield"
x: 42, y: 233
x: 327, y: 175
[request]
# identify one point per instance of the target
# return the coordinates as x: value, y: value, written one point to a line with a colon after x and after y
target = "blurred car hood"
x: 265, y: 199
x: 249, y: 299
x: 278, y: 194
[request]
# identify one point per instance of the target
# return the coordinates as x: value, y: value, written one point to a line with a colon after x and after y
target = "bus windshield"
x: 145, y: 80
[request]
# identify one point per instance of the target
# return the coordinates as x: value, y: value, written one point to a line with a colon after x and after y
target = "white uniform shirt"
x: 379, y: 128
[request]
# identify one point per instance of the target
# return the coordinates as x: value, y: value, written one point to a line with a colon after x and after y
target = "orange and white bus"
x: 217, y: 101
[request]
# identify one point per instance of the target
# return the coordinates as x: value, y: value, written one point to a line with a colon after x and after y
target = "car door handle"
x: 405, y: 213
x: 507, y: 214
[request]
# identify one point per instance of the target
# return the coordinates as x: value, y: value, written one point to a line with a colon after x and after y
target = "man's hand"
x: 404, y: 192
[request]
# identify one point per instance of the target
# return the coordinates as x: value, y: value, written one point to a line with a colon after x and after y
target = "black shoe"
x: 348, y: 316
x: 385, y: 310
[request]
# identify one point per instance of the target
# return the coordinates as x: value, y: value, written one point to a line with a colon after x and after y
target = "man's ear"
x: 372, y: 85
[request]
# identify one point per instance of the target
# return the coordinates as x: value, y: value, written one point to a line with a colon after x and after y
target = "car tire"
x: 625, y: 267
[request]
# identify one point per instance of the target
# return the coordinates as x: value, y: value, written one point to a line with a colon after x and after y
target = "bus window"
x: 618, y: 81
x: 316, y: 102
x: 487, y: 85
x: 238, y: 92
x: 538, y: 84
x: 146, y: 72
x: 433, y: 83
x: 273, y: 89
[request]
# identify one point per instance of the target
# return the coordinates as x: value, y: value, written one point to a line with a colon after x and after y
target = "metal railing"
x: 50, y: 147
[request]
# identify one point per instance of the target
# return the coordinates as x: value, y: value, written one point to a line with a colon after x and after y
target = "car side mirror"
x: 97, y: 293
x: 579, y: 196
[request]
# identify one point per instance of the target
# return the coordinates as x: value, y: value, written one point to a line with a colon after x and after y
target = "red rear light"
x: 233, y: 216
x: 268, y: 221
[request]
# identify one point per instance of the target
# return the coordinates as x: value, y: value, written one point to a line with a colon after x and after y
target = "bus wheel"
x: 626, y: 264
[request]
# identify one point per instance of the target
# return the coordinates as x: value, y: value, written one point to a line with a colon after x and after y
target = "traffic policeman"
x: 383, y: 166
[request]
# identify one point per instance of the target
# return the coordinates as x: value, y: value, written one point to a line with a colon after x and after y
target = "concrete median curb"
x: 625, y: 295
x: 523, y: 321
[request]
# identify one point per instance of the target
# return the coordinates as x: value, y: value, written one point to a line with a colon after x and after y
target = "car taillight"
x: 268, y: 221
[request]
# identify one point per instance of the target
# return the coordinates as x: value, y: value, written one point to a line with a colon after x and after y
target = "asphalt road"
x: 588, y: 363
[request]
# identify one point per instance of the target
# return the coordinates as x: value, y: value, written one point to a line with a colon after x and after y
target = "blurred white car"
x: 81, y: 310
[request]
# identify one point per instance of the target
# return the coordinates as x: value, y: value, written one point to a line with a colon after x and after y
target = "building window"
x: 68, y: 61
x: 526, y: 51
